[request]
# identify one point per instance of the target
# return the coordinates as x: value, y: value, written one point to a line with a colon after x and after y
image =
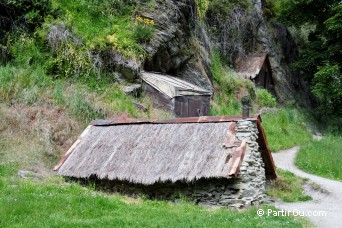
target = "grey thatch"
x: 250, y: 66
x: 172, y: 86
x: 149, y: 153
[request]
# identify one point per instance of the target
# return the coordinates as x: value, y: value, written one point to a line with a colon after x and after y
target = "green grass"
x: 54, y: 203
x: 322, y: 157
x: 227, y: 86
x: 285, y: 128
x: 288, y: 187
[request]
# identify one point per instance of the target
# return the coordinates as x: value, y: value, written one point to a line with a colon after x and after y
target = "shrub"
x: 102, y: 24
x: 82, y: 109
x: 23, y: 13
x: 120, y: 101
x: 202, y: 7
x: 22, y: 85
x: 144, y: 30
x: 264, y: 98
x: 327, y: 86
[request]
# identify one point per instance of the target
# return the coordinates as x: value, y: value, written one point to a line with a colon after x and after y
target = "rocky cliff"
x: 181, y: 45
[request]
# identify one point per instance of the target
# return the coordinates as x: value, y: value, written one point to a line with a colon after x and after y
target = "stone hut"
x: 221, y: 161
x: 176, y: 95
x: 256, y: 68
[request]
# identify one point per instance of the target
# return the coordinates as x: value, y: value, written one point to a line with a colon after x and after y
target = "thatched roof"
x: 250, y: 66
x: 156, y: 151
x: 172, y: 86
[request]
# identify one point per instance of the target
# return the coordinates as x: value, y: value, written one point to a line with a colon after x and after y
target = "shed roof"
x: 172, y: 86
x: 147, y: 152
x: 249, y: 66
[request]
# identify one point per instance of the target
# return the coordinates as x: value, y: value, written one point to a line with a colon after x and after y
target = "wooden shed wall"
x: 182, y: 106
x: 188, y: 106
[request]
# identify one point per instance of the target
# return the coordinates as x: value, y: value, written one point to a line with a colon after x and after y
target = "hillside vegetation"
x: 61, y: 65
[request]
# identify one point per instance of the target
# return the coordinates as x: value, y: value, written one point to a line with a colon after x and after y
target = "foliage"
x: 82, y: 109
x: 202, y: 7
x: 327, y: 85
x: 27, y: 51
x: 321, y: 55
x: 102, y: 23
x: 288, y: 187
x: 25, y: 202
x: 144, y: 31
x: 265, y: 99
x: 27, y: 14
x: 322, y: 157
x: 285, y: 128
x: 120, y: 102
x: 24, y: 86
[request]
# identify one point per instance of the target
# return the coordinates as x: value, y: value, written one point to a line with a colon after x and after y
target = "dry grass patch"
x: 35, y: 137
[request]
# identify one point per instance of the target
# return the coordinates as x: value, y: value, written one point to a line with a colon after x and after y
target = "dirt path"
x: 329, y: 200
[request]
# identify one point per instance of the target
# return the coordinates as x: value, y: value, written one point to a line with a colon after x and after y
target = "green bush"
x: 102, y: 24
x: 327, y: 86
x: 120, y: 101
x: 143, y: 33
x: 82, y: 109
x: 202, y: 7
x: 18, y: 14
x: 22, y: 85
x: 265, y: 99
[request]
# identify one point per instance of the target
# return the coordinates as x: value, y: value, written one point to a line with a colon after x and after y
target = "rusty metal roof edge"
x: 71, y: 149
x: 270, y: 168
x: 202, y: 119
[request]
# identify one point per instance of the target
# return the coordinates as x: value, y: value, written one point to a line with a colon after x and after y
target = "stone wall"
x: 237, y: 192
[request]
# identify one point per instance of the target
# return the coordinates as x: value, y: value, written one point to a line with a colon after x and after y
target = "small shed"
x: 176, y: 95
x: 222, y: 161
x: 256, y: 68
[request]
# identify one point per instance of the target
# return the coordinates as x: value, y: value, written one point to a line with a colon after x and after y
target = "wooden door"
x: 195, y: 108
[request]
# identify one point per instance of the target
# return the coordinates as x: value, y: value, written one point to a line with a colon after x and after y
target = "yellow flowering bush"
x: 144, y: 29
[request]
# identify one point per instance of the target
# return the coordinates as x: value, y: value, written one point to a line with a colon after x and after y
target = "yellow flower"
x: 111, y: 38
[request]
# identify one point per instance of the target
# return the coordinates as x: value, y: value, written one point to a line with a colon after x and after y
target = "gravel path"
x: 328, y: 199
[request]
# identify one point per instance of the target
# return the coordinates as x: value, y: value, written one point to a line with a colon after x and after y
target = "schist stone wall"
x: 246, y: 189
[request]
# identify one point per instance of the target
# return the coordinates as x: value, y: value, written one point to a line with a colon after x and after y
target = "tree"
x: 321, y: 57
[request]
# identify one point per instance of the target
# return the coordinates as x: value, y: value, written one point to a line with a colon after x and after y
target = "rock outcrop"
x: 180, y: 46
x: 276, y: 40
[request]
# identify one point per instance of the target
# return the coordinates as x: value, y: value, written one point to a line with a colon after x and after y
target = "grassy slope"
x: 285, y: 128
x: 33, y: 203
x: 322, y: 158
